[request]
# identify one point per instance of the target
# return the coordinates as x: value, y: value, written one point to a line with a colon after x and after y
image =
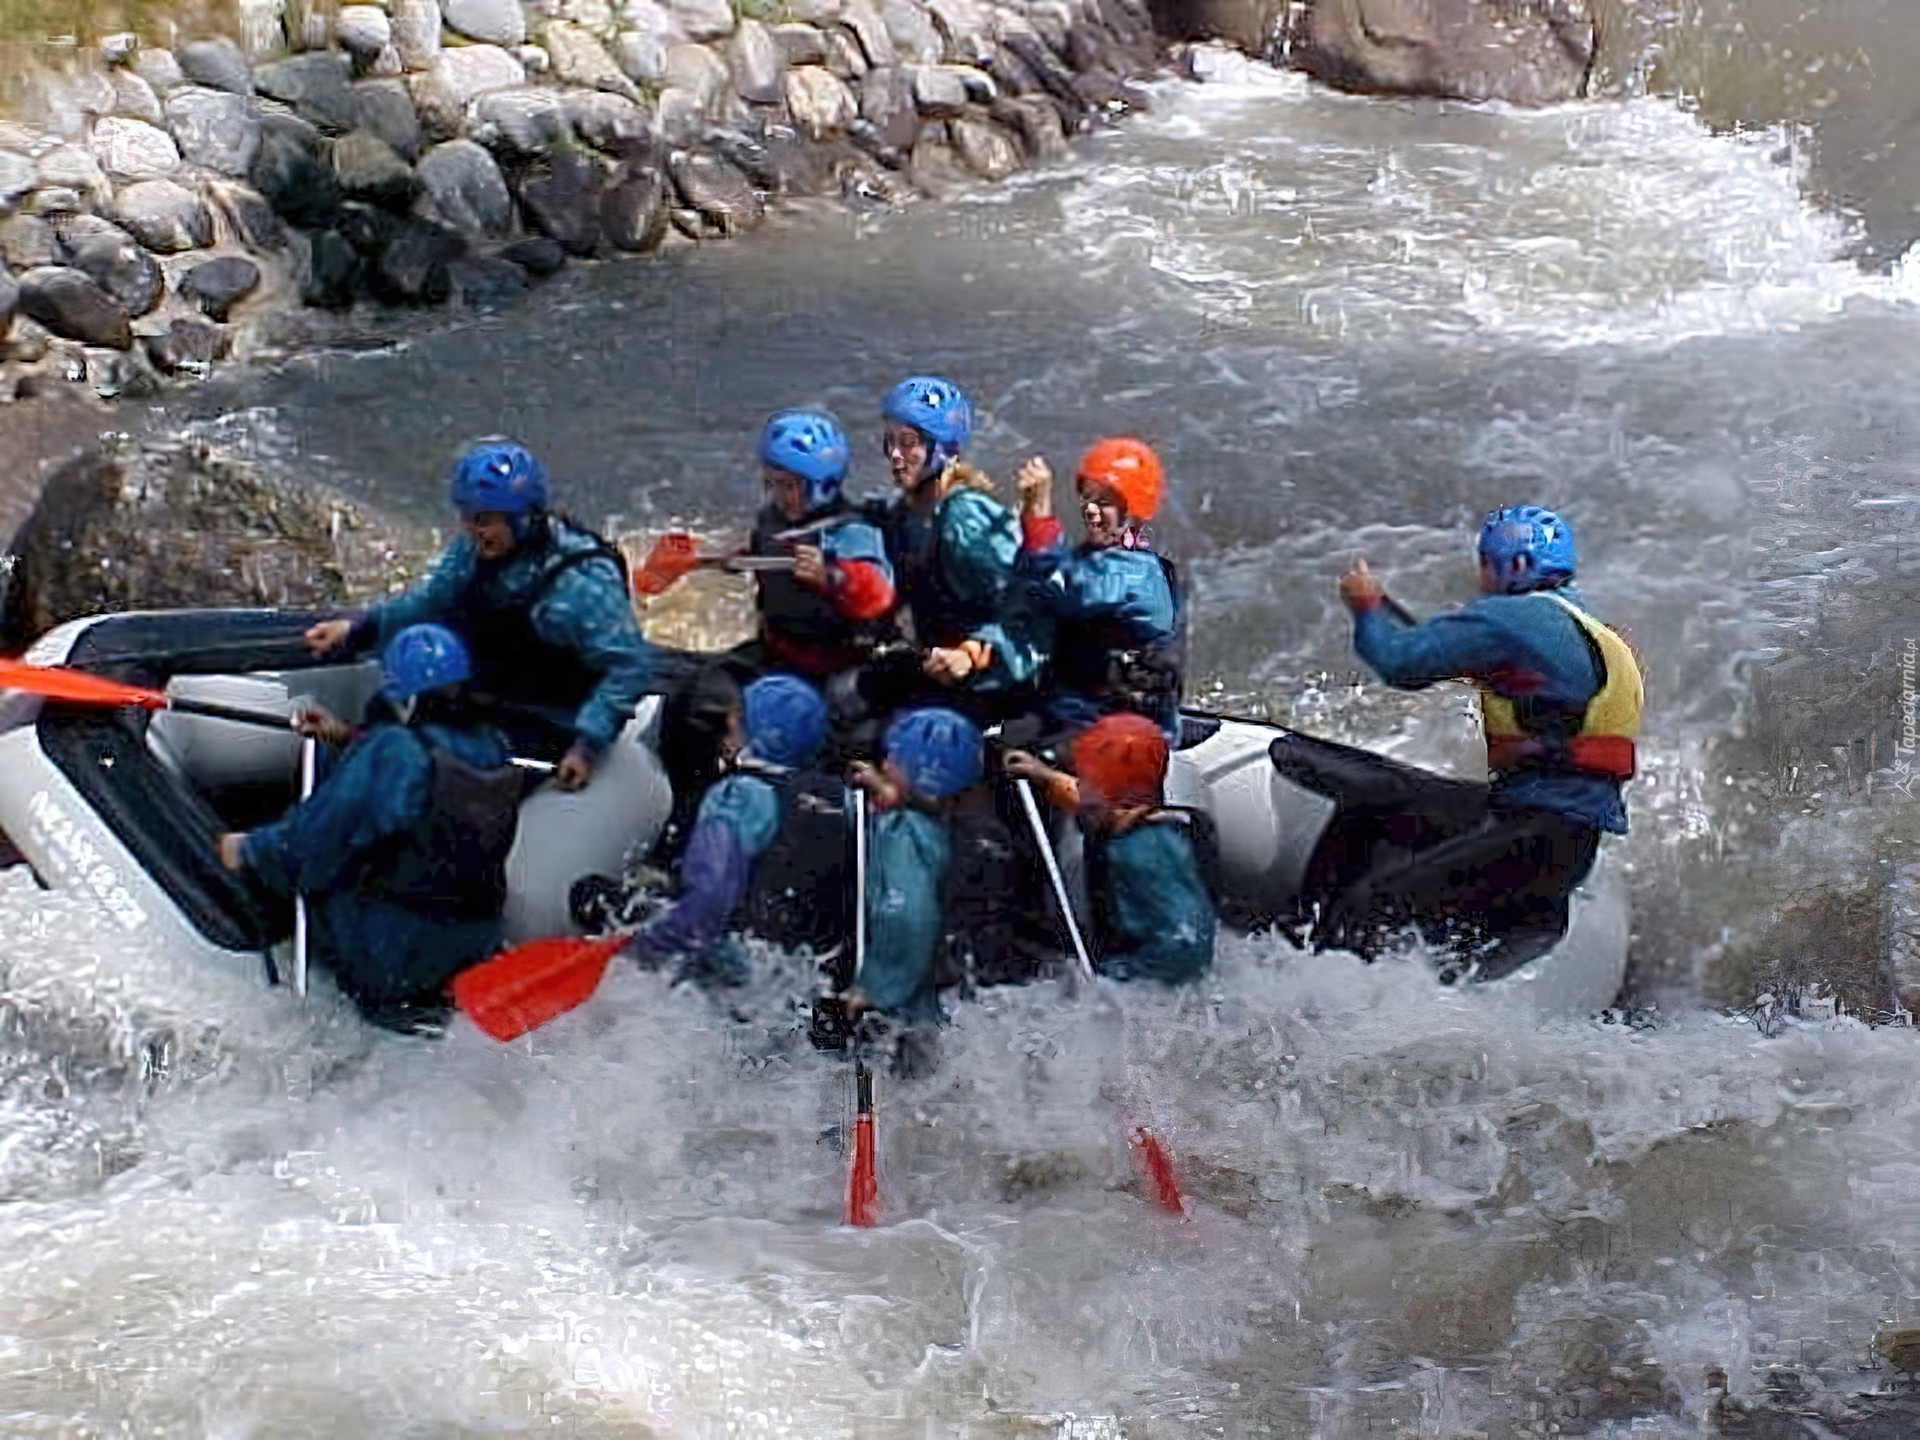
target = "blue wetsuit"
x: 1154, y: 918
x: 907, y: 855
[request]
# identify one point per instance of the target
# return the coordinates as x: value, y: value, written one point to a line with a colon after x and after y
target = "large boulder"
x: 756, y: 60
x: 295, y: 180
x: 821, y: 105
x: 217, y: 285
x: 609, y: 122
x: 416, y: 33
x: 318, y: 86
x: 887, y: 105
x: 135, y: 98
x: 560, y: 196
x: 385, y: 108
x: 698, y: 71
x: 520, y: 123
x: 368, y: 169
x: 633, y: 211
x: 495, y: 22
x: 188, y: 346
x: 471, y: 71
x: 159, y: 68
x: 214, y: 128
x: 129, y: 149
x: 170, y: 526
x: 68, y: 167
x: 16, y: 178
x: 69, y: 304
x: 363, y: 31
x: 717, y: 190
x: 579, y: 59
x: 114, y: 261
x: 412, y: 268
x: 163, y: 216
x: 462, y: 186
x: 702, y: 19
x: 9, y: 301
x: 217, y: 64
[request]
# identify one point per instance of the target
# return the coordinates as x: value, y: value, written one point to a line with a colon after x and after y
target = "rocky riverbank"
x: 160, y: 204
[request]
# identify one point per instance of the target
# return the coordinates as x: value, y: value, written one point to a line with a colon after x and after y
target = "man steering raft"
x: 541, y: 605
x: 1560, y: 698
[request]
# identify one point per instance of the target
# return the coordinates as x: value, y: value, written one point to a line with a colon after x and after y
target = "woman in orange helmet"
x: 1119, y: 624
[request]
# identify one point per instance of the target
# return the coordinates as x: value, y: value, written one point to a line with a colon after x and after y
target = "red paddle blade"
x: 76, y: 687
x: 863, y: 1187
x: 523, y: 988
x: 1166, y: 1190
x: 671, y: 557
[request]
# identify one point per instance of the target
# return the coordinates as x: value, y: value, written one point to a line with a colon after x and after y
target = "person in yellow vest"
x: 1560, y: 697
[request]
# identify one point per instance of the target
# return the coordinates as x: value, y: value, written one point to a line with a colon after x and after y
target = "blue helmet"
x: 1530, y: 547
x: 935, y: 408
x: 422, y: 658
x: 807, y: 443
x: 785, y: 719
x: 939, y: 751
x: 498, y: 475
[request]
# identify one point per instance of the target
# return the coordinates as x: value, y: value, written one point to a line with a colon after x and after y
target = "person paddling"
x: 1560, y: 701
x: 402, y: 849
x: 541, y: 605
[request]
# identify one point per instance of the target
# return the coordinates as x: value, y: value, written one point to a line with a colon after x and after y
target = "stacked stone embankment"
x: 156, y: 199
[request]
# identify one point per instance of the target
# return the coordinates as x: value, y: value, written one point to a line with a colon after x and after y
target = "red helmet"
x: 1122, y: 759
x: 1130, y: 469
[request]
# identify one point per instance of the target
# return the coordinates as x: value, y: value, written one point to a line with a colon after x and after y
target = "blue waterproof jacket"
x: 1103, y: 604
x: 738, y: 819
x: 573, y: 597
x: 907, y: 854
x: 1519, y: 646
x: 1154, y: 917
x: 338, y: 847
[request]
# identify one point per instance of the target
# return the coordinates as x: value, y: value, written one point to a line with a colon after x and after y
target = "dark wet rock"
x: 318, y: 87
x: 9, y: 301
x: 522, y: 122
x: 412, y: 268
x: 168, y: 526
x: 187, y: 346
x: 368, y: 169
x: 164, y: 216
x: 1045, y: 67
x: 214, y: 128
x: 288, y: 126
x: 217, y: 285
x: 717, y: 189
x: 295, y: 181
x: 366, y: 227
x: 27, y: 241
x: 609, y: 123
x: 560, y: 196
x: 781, y: 162
x: 383, y: 108
x: 538, y: 255
x: 72, y: 306
x: 633, y: 212
x: 465, y: 188
x: 114, y: 261
x: 482, y: 282
x: 886, y: 103
x: 246, y: 210
x: 334, y: 271
x: 216, y: 64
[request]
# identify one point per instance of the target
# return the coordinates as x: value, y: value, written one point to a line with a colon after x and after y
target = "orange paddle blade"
x: 1166, y: 1189
x: 76, y: 686
x: 863, y: 1186
x: 671, y: 557
x: 523, y: 988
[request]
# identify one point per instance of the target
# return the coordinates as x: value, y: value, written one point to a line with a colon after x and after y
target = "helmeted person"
x: 541, y: 605
x: 954, y: 549
x: 1560, y: 699
x: 768, y: 844
x: 1119, y: 626
x: 933, y: 757
x: 1152, y: 870
x: 402, y: 848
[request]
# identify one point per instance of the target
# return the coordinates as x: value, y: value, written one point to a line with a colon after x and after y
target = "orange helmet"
x: 1130, y: 469
x: 1122, y: 759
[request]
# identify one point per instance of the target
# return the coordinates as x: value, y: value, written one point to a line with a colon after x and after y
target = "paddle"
x: 1083, y: 963
x: 309, y: 759
x: 80, y: 687
x: 862, y: 1207
x: 673, y: 557
x: 522, y: 988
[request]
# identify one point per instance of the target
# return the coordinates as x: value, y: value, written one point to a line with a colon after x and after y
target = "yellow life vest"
x: 1603, y: 744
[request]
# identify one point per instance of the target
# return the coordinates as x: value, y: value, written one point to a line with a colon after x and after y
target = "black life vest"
x: 512, y: 664
x: 797, y: 614
x: 800, y: 890
x: 450, y: 865
x: 981, y: 897
x: 941, y: 615
x: 1201, y: 833
x: 1101, y: 660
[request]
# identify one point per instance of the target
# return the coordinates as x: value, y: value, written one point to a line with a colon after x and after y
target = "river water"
x: 1351, y: 326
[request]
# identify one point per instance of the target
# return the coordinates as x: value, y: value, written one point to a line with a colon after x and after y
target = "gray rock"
x: 609, y: 122
x: 915, y: 41
x: 118, y: 49
x: 318, y: 87
x: 702, y: 19
x: 844, y: 56
x: 870, y: 30
x: 16, y: 178
x: 815, y: 12
x: 639, y: 55
x: 579, y: 59
x: 134, y: 150
x: 655, y: 19
x: 416, y: 32
x: 560, y: 196
x: 678, y: 116
x: 801, y: 44
x: 534, y: 58
x: 715, y: 188
x: 483, y: 282
x: 114, y: 261
x: 521, y: 122
x: 384, y: 108
x: 538, y: 255
x: 1535, y: 54
x: 470, y: 71
x: 214, y: 128
x: 55, y: 200
x: 935, y: 168
x: 633, y: 211
x: 756, y: 63
x: 69, y: 167
x: 368, y: 169
x: 496, y: 22
x: 965, y: 28
x: 163, y: 216
x: 69, y: 304
x: 938, y: 91
x: 249, y: 217
x: 333, y: 272
x: 412, y: 269
x: 1036, y: 120
x: 217, y: 285
x: 9, y: 300
x: 309, y: 25
x: 465, y: 188
x: 134, y: 98
x: 984, y: 148
x: 820, y: 103
x: 698, y: 71
x: 295, y: 180
x: 28, y: 341
x: 158, y: 68
x: 363, y: 31
x: 441, y: 113
x: 386, y: 64
x: 886, y: 103
x: 188, y: 346
x: 217, y: 64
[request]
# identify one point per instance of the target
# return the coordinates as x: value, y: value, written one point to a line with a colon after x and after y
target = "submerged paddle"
x: 862, y: 1206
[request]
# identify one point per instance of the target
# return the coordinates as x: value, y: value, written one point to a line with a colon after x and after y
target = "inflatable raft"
x: 124, y: 805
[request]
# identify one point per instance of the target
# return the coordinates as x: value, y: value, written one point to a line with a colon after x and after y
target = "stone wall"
x: 156, y: 198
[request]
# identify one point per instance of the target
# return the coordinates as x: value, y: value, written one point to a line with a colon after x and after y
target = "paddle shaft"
x: 1083, y: 963
x: 309, y: 756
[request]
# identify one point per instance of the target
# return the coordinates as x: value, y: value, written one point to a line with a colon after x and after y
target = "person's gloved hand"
x: 574, y: 770
x: 1359, y: 589
x: 327, y: 636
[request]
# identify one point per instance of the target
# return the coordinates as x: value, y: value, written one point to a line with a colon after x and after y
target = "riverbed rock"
x: 464, y: 188
x: 678, y: 117
x: 821, y: 105
x: 368, y: 169
x: 295, y: 180
x: 579, y: 59
x: 715, y: 188
x: 71, y: 168
x: 318, y: 87
x: 249, y: 217
x: 159, y: 67
x: 333, y: 270
x: 412, y: 268
x: 845, y: 58
x: 214, y: 128
x: 163, y: 216
x: 1535, y: 52
x: 384, y: 108
x: 538, y: 255
x: 887, y: 105
x: 756, y: 63
x: 16, y: 178
x: 481, y: 282
x: 521, y: 123
x: 1036, y: 120
x: 698, y: 71
x: 363, y: 31
x: 135, y: 98
x: 560, y: 196
x: 69, y: 304
x: 114, y: 261
x: 870, y: 30
x: 189, y: 345
x: 915, y: 41
x: 9, y: 300
x: 938, y: 91
x: 219, y: 284
x: 800, y: 44
x: 984, y: 148
x: 633, y: 211
x: 217, y: 64
x: 496, y: 22
x: 640, y: 55
x: 702, y: 19
x: 416, y: 32
x: 610, y: 123
x: 470, y: 71
x: 134, y: 150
